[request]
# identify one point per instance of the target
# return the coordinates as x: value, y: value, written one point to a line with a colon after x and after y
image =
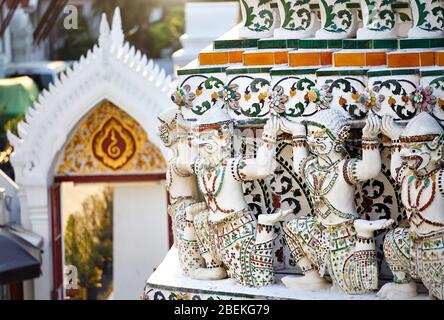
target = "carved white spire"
x: 68, y: 95
x: 104, y: 30
x: 116, y: 31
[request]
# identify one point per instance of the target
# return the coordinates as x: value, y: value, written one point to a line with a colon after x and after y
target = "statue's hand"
x: 294, y: 128
x: 194, y: 209
x: 390, y: 128
x: 372, y: 127
x: 182, y: 123
x: 272, y: 126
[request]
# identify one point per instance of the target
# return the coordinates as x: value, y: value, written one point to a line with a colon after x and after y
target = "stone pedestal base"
x: 168, y: 283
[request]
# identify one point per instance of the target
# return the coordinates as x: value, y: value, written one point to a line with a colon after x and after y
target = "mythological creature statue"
x: 417, y: 252
x: 183, y: 193
x: 231, y: 241
x: 333, y: 239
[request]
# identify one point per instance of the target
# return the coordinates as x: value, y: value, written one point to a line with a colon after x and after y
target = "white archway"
x: 112, y: 70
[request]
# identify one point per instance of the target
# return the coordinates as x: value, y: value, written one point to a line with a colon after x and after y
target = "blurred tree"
x: 71, y: 44
x: 151, y: 37
x: 88, y: 240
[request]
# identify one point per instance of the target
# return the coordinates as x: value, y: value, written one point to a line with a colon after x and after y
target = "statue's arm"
x: 393, y: 131
x: 186, y: 157
x: 265, y: 163
x: 370, y: 165
x: 299, y: 143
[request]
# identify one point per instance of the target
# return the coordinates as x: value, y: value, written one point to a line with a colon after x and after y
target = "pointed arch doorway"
x: 107, y: 155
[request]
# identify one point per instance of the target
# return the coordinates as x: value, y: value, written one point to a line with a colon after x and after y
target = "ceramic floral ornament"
x: 258, y: 19
x: 321, y: 97
x: 379, y: 20
x: 332, y: 238
x: 182, y: 97
x: 297, y: 20
x: 428, y: 21
x: 417, y: 252
x: 277, y: 100
x: 423, y: 99
x: 230, y: 96
x: 369, y: 98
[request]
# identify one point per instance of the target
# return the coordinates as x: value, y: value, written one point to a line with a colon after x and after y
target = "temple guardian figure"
x: 230, y: 239
x: 417, y: 251
x: 182, y: 190
x: 332, y: 239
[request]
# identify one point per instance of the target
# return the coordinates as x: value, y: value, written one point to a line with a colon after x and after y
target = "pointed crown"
x: 332, y: 120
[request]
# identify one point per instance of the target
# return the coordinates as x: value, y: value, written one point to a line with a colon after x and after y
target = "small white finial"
x: 116, y: 30
x: 104, y: 30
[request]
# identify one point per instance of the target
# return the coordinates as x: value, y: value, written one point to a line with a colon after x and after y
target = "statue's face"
x: 416, y: 155
x: 319, y: 142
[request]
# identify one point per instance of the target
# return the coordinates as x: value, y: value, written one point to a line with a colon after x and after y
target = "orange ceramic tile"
x: 348, y: 59
x: 265, y: 58
x: 235, y: 56
x: 281, y: 57
x: 220, y: 57
x: 375, y: 58
x: 326, y: 58
x: 439, y: 58
x: 410, y: 59
x: 359, y: 59
x: 314, y: 58
x: 206, y: 58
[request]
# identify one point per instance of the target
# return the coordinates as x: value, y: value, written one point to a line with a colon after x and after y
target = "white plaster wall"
x: 204, y: 22
x: 140, y: 236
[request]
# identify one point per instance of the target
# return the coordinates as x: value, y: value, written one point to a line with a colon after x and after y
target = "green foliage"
x: 89, y: 238
x: 150, y: 37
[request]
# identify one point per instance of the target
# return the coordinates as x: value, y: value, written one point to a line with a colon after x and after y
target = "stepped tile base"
x: 167, y: 282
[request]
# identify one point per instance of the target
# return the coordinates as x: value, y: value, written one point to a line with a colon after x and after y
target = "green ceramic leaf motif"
x: 288, y: 13
x: 200, y: 110
x: 296, y: 111
x: 258, y: 82
x: 249, y: 16
x: 422, y: 12
x: 404, y: 17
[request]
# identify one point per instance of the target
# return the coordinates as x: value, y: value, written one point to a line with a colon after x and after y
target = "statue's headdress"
x: 168, y: 125
x: 335, y: 123
x: 422, y: 128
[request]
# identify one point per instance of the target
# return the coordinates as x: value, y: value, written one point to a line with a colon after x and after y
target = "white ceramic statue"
x: 231, y: 241
x: 417, y: 252
x: 183, y: 193
x: 333, y: 239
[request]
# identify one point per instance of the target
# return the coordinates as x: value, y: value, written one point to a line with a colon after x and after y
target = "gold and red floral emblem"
x: 113, y: 144
x: 109, y: 141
